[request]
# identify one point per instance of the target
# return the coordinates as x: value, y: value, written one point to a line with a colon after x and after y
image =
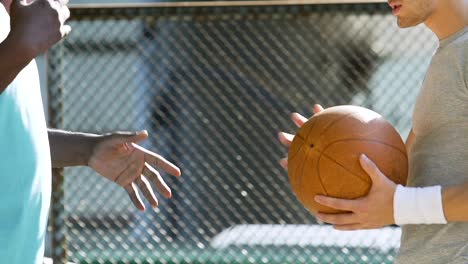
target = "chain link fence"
x: 213, y: 86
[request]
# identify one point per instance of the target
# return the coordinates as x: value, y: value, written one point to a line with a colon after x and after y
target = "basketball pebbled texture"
x: 324, y: 155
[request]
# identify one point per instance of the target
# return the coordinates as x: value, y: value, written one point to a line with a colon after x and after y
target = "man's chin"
x: 405, y: 23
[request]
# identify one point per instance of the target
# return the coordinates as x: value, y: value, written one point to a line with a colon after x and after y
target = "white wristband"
x: 414, y: 205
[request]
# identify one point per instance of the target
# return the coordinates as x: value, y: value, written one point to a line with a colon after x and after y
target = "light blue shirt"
x: 25, y: 166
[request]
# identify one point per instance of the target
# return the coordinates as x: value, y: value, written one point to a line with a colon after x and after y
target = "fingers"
x: 317, y: 108
x: 298, y: 119
x: 64, y: 13
x: 144, y: 186
x: 65, y: 30
x: 134, y: 196
x: 284, y: 163
x: 370, y: 168
x: 147, y: 191
x: 154, y: 176
x: 131, y: 172
x: 158, y: 161
x: 340, y: 204
x: 285, y: 138
x: 150, y: 157
x: 338, y: 219
x: 59, y: 7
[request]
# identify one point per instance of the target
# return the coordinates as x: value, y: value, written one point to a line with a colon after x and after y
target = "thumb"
x: 371, y: 169
x: 133, y: 137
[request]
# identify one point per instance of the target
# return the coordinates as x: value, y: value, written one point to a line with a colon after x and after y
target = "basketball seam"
x: 366, y: 180
x: 346, y: 116
x: 366, y: 140
x: 290, y: 159
x: 352, y: 139
x: 296, y: 168
x: 318, y: 174
x: 335, y: 121
x: 302, y: 171
x: 318, y: 160
x: 304, y: 138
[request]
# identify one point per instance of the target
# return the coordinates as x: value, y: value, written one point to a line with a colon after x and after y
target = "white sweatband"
x: 415, y: 205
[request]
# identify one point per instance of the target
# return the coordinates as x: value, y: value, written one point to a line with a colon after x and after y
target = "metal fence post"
x: 57, y: 214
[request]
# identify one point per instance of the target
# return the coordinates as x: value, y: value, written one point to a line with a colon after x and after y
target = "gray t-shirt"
x: 439, y: 155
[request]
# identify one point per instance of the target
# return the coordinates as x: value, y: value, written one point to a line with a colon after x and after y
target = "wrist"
x: 418, y: 205
x: 71, y: 148
x: 90, y: 142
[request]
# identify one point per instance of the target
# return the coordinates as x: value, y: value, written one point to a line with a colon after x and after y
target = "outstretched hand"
x: 118, y: 158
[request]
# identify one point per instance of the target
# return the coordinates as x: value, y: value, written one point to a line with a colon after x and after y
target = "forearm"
x: 13, y: 60
x: 454, y: 198
x: 70, y: 148
x: 455, y: 202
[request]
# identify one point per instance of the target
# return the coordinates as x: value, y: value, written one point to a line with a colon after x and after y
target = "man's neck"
x: 449, y: 17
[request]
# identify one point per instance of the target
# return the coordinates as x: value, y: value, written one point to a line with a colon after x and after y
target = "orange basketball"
x: 324, y: 155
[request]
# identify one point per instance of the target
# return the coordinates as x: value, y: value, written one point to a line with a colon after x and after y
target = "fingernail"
x: 363, y: 156
x: 318, y: 198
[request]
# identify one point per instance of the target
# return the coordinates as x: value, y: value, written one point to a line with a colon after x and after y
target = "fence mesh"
x: 213, y: 86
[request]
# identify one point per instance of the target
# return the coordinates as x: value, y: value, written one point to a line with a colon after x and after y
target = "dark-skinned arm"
x: 117, y: 157
x: 13, y: 60
x: 71, y: 148
x: 35, y: 27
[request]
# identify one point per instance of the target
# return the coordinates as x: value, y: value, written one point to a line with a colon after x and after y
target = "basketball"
x: 324, y: 155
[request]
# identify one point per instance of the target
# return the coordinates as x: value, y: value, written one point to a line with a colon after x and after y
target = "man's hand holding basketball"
x: 38, y: 25
x: 372, y: 211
